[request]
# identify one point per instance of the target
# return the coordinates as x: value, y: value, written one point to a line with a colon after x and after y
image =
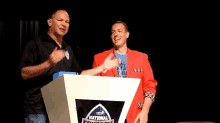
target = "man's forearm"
x: 93, y: 71
x: 36, y: 70
x: 147, y: 104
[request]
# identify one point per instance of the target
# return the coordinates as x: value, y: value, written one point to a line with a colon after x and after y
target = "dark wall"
x: 173, y: 41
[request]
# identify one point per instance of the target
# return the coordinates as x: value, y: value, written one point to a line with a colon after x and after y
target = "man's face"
x: 59, y: 23
x: 119, y: 34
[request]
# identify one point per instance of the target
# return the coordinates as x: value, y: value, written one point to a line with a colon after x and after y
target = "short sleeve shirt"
x: 36, y: 52
x: 122, y: 65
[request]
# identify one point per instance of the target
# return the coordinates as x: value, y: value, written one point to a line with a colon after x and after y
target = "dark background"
x: 178, y: 40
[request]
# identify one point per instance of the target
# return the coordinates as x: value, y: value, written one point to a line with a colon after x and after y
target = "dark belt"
x: 126, y: 120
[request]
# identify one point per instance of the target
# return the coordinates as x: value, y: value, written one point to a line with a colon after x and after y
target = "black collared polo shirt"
x: 36, y: 52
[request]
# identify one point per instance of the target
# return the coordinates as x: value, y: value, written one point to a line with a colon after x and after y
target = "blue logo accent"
x: 67, y: 55
x: 60, y: 73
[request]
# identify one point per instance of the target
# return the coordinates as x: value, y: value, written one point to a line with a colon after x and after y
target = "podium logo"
x: 98, y: 114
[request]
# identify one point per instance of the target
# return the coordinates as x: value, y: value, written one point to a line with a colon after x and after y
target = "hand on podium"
x: 109, y: 64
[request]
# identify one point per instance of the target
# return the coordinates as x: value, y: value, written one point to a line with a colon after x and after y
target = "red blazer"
x: 135, y: 59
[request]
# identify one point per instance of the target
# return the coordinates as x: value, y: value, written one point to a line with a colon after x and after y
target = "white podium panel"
x: 61, y: 94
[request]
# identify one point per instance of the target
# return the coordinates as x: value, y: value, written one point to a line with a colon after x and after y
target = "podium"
x: 89, y: 99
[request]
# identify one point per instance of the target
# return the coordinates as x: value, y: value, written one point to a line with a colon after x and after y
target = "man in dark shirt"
x: 45, y: 56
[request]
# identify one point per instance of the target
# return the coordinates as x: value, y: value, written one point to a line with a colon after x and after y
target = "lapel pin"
x: 135, y: 70
x: 138, y: 69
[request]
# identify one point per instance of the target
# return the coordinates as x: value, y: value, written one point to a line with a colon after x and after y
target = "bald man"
x: 46, y: 55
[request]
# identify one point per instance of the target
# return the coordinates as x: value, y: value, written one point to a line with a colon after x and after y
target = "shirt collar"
x: 48, y: 38
x: 129, y: 51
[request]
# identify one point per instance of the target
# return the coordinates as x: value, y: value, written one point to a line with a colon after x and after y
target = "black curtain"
x: 2, y: 34
x: 29, y: 29
x: 14, y: 34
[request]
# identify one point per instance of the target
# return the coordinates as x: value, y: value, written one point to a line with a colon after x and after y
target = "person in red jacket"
x: 133, y: 64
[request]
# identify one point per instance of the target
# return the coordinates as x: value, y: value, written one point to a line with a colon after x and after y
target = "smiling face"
x: 59, y: 23
x: 119, y: 35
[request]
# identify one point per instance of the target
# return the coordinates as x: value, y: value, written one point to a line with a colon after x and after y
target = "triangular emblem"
x: 98, y: 113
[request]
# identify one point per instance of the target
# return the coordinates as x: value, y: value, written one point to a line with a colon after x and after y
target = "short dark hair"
x: 54, y: 12
x: 125, y: 25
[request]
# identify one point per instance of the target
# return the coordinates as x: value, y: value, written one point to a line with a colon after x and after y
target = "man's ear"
x: 127, y: 34
x: 49, y: 21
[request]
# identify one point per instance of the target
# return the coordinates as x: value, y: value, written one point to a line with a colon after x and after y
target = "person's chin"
x: 117, y: 45
x: 61, y: 34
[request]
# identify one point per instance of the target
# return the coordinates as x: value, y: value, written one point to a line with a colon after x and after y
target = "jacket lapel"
x: 130, y: 62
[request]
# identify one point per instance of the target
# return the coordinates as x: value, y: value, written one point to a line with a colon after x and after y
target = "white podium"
x: 62, y: 95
